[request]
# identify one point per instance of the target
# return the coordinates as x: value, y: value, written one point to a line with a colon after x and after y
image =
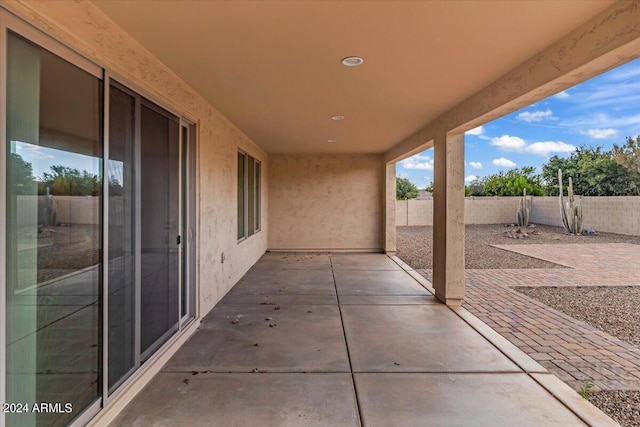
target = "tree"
x: 66, y: 181
x: 22, y: 175
x: 475, y: 187
x: 628, y: 156
x: 513, y: 182
x: 429, y: 187
x: 593, y: 170
x: 405, y: 189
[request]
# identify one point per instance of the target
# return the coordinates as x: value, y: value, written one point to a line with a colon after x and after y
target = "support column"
x: 390, y: 209
x: 448, y: 218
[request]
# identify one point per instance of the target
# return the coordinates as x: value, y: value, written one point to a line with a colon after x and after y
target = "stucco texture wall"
x: 477, y: 210
x: 82, y: 27
x: 610, y: 214
x: 325, y: 202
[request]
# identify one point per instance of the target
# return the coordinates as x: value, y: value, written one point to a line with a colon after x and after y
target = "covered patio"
x: 243, y: 209
x: 349, y: 340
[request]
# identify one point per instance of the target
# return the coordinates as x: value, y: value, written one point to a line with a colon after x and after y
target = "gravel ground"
x: 62, y: 250
x: 622, y: 406
x: 613, y: 310
x: 415, y: 242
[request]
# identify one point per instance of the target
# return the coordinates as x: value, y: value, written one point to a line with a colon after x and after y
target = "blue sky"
x: 601, y: 111
x: 42, y: 158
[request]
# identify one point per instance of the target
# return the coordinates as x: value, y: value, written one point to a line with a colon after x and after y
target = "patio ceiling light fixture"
x: 337, y: 117
x: 331, y: 141
x: 352, y: 61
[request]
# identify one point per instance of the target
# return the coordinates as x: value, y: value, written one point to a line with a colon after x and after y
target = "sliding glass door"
x: 151, y: 264
x: 53, y: 222
x: 121, y: 236
x: 160, y: 229
x: 95, y: 274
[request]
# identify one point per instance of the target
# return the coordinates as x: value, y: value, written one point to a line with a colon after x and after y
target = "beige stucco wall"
x: 546, y: 210
x: 477, y: 210
x: 490, y: 210
x: 610, y: 214
x: 326, y: 202
x: 82, y: 27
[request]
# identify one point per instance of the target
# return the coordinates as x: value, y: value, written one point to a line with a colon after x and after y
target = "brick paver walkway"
x: 608, y: 264
x: 569, y: 348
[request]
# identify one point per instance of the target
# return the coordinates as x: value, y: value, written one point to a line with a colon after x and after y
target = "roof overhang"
x: 273, y: 68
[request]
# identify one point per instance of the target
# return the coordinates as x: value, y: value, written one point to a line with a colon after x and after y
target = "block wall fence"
x: 608, y: 214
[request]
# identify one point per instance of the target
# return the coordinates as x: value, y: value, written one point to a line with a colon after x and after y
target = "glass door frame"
x: 188, y: 206
x: 188, y: 198
x: 108, y: 81
x: 188, y: 220
x: 10, y: 22
x: 175, y: 328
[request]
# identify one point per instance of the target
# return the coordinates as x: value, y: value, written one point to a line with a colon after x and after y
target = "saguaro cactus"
x: 571, y: 211
x: 523, y: 210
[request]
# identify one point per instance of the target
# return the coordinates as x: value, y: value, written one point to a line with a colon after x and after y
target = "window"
x: 249, y: 197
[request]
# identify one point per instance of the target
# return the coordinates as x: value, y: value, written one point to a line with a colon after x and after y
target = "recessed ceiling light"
x: 352, y: 61
x: 337, y: 117
x: 331, y: 140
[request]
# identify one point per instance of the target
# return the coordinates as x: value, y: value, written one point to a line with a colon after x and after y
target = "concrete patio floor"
x: 349, y: 340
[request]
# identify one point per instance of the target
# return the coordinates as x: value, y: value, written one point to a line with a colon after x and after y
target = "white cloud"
x: 624, y: 74
x: 32, y: 151
x: 475, y: 165
x: 475, y: 131
x: 601, y: 133
x: 517, y: 144
x: 536, y: 116
x: 544, y: 148
x: 509, y: 143
x: 621, y: 95
x: 419, y: 161
x: 503, y: 162
x: 562, y: 95
x: 470, y: 178
x: 594, y: 121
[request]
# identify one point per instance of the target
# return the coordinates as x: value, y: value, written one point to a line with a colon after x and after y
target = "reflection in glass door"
x: 53, y: 183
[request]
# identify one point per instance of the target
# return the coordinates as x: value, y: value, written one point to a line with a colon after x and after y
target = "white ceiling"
x: 273, y: 67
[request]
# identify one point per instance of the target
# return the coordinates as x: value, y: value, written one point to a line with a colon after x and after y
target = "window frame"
x: 257, y: 196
